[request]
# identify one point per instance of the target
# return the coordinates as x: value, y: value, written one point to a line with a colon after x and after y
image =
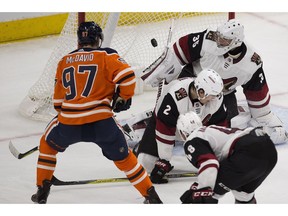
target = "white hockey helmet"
x: 187, y: 123
x: 209, y: 81
x: 229, y: 36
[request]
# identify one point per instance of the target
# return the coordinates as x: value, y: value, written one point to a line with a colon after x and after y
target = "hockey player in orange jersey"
x: 88, y: 80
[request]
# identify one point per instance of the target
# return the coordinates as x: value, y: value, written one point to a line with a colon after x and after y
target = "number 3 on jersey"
x: 69, y: 81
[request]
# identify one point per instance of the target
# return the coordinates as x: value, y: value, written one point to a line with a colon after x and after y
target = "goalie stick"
x: 149, y: 70
x: 57, y: 182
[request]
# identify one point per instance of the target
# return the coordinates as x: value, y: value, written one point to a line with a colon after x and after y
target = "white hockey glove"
x: 273, y: 126
x: 165, y: 67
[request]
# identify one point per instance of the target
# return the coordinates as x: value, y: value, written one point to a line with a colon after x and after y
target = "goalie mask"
x: 209, y: 82
x: 229, y: 36
x: 187, y: 123
x: 89, y: 33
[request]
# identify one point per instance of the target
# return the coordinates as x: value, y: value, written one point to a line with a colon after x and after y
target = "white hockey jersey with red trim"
x: 175, y: 100
x: 220, y: 144
x: 246, y: 71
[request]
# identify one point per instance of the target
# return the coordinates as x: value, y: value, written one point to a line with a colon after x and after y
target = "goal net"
x: 128, y: 33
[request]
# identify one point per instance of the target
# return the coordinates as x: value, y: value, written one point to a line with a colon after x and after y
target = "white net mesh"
x: 131, y: 38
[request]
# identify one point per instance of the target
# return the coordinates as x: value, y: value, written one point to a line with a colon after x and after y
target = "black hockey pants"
x: 148, y: 142
x: 246, y: 168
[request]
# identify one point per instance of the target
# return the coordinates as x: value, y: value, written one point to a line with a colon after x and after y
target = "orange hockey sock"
x: 46, y: 162
x: 135, y: 172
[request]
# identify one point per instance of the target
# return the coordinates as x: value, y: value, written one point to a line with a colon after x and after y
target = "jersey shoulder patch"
x: 122, y: 60
x: 256, y: 58
x: 211, y: 35
x: 180, y: 94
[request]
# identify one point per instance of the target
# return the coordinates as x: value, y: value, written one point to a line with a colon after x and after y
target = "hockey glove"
x: 119, y: 104
x: 160, y: 169
x: 198, y: 196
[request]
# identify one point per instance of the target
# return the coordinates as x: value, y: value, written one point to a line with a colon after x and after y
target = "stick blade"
x: 13, y: 150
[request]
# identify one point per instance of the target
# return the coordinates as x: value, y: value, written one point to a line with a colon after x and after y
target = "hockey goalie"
x: 225, y: 51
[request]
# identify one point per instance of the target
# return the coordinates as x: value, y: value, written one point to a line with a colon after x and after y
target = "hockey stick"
x: 129, y: 125
x: 57, y: 182
x: 19, y: 155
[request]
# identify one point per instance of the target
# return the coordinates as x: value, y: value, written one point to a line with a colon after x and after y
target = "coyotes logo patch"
x: 256, y: 58
x: 180, y: 94
x: 211, y: 35
x: 228, y: 83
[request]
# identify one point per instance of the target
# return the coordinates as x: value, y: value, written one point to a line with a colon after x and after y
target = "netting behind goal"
x: 128, y: 33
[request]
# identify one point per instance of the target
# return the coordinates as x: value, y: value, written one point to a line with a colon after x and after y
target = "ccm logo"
x: 161, y: 164
x: 203, y: 194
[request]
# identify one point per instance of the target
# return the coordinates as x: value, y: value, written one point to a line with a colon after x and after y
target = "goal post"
x: 130, y: 33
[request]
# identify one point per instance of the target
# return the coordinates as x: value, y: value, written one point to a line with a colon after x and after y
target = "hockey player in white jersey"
x: 203, y: 95
x: 224, y: 51
x: 228, y: 159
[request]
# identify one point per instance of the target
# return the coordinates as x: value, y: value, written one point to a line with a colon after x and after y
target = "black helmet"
x: 89, y: 33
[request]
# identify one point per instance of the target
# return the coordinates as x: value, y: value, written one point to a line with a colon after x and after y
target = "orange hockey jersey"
x: 85, y: 83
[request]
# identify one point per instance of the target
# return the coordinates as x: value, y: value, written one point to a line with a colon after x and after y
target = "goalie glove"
x: 118, y: 103
x: 198, y: 196
x: 160, y: 169
x: 165, y: 67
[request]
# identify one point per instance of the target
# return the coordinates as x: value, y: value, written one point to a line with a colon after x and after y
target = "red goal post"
x: 129, y: 33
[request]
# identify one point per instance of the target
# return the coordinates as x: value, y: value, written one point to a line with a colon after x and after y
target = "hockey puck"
x: 154, y: 42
